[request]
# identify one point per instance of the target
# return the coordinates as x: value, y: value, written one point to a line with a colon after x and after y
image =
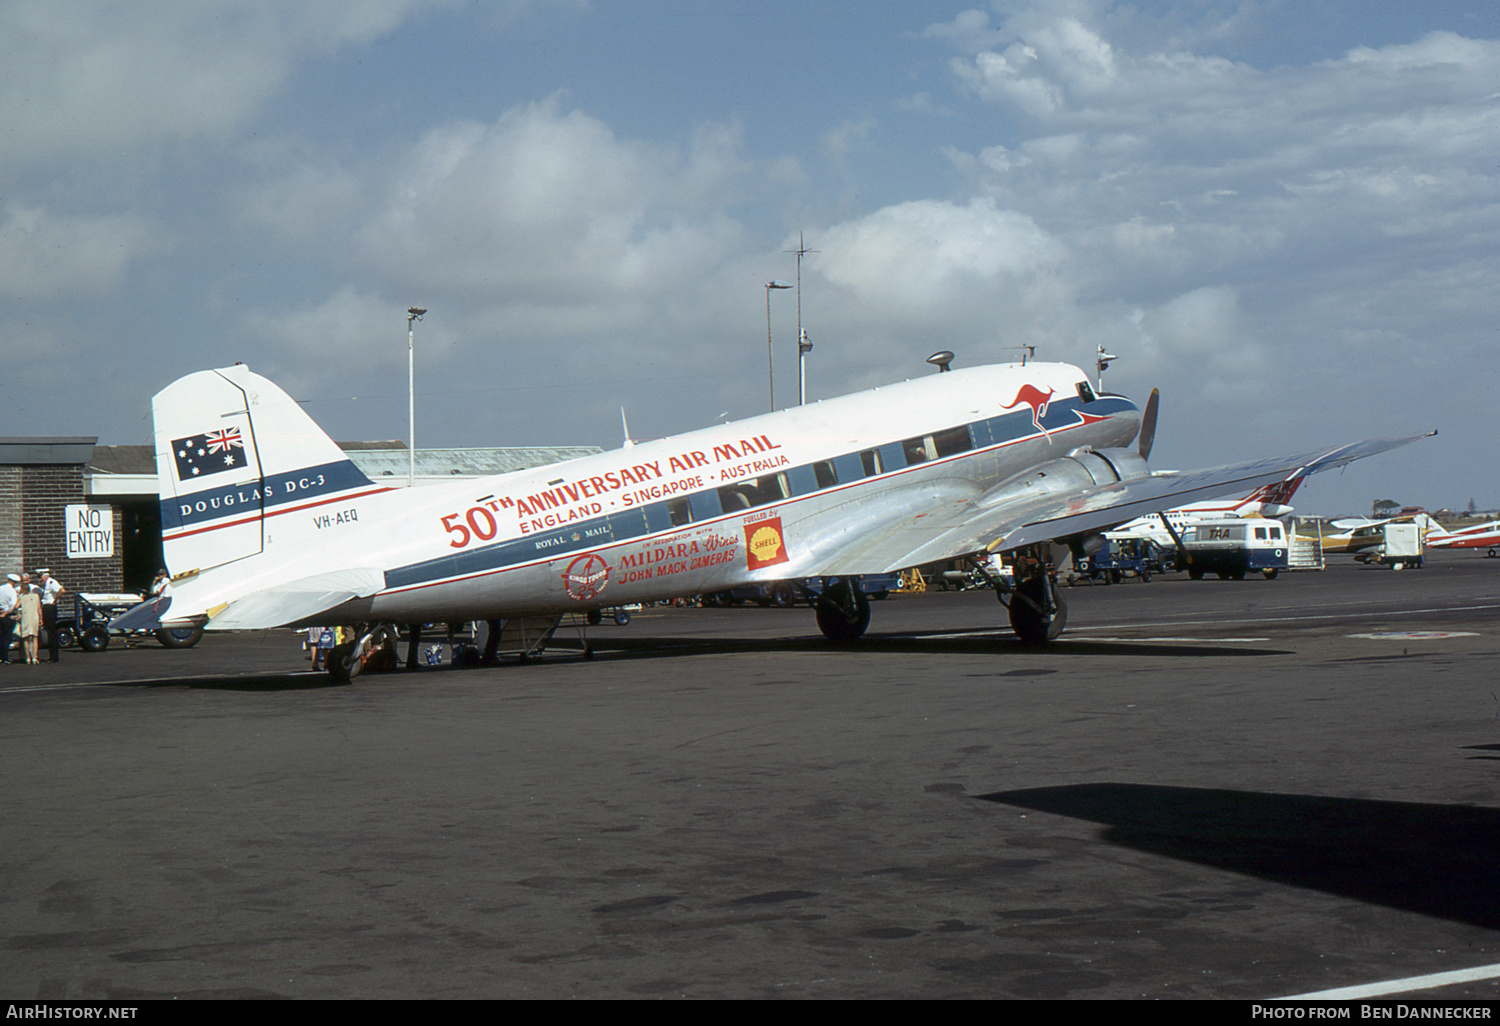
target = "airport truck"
x: 1402, y: 546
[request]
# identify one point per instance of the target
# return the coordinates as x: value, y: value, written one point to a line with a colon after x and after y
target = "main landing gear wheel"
x: 843, y: 611
x: 1038, y: 613
x: 374, y: 652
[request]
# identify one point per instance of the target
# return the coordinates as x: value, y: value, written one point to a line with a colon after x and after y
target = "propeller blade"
x: 1148, y: 425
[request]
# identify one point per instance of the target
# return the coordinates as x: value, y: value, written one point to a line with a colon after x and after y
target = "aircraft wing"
x: 999, y: 520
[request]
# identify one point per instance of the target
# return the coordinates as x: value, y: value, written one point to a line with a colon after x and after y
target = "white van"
x: 1234, y: 546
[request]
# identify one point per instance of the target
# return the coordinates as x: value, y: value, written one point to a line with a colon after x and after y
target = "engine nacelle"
x: 1126, y: 464
x: 1081, y: 468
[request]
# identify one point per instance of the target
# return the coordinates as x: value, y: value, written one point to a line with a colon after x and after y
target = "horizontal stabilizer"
x: 296, y: 602
x: 143, y: 617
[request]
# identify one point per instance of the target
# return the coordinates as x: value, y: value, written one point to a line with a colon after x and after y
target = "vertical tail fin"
x: 232, y: 451
x: 1270, y: 500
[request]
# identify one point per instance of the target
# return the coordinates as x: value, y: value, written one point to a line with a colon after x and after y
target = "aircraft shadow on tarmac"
x: 1437, y: 860
x: 957, y: 642
x: 964, y: 642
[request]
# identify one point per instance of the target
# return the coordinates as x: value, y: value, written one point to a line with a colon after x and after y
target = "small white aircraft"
x: 266, y: 523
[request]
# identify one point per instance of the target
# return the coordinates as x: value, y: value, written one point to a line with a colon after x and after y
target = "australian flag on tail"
x: 210, y: 453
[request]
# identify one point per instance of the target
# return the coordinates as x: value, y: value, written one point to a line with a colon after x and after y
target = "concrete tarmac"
x: 1208, y: 789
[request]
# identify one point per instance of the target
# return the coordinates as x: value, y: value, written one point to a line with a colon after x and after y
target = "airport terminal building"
x: 90, y: 513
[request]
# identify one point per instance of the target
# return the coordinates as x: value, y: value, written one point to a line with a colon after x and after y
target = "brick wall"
x: 10, y: 519
x: 44, y: 492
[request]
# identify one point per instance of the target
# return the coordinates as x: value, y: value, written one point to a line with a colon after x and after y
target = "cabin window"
x: 823, y: 471
x: 677, y: 512
x: 891, y: 457
x: 1260, y: 534
x: 802, y: 479
x: 917, y: 450
x: 848, y: 467
x: 870, y: 460
x: 705, y: 505
x: 755, y: 491
x: 955, y: 440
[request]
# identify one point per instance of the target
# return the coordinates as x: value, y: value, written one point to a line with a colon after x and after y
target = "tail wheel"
x: 179, y: 637
x: 843, y: 611
x: 1038, y: 613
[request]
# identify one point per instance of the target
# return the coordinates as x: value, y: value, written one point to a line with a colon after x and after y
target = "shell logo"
x: 764, y: 544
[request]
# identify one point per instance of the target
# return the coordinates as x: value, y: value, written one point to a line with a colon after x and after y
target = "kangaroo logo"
x: 1037, y: 400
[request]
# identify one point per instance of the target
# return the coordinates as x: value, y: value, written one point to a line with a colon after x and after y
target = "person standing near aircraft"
x: 51, y: 588
x: 30, y: 608
x: 9, y: 597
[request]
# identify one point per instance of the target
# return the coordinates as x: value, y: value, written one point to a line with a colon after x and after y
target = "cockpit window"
x: 1085, y: 392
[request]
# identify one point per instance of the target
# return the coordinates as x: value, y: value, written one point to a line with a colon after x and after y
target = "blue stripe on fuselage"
x: 261, y: 495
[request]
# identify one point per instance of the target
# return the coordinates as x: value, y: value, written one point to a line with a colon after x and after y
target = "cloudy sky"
x: 1283, y: 213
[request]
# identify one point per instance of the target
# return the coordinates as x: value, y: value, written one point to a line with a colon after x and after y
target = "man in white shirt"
x: 9, y: 596
x: 51, y: 588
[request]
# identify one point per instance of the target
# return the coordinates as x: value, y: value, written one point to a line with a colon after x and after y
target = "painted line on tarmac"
x: 994, y: 631
x: 1182, y: 637
x: 44, y: 687
x: 1428, y: 982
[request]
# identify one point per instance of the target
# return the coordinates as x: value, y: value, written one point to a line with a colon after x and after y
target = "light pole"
x: 413, y: 314
x: 803, y: 348
x: 770, y: 362
x: 803, y: 345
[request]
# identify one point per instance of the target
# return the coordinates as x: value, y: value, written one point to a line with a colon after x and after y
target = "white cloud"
x: 85, y: 76
x: 551, y: 210
x: 920, y: 258
x: 47, y: 256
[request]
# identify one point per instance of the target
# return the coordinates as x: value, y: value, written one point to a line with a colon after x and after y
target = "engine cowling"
x: 1080, y: 469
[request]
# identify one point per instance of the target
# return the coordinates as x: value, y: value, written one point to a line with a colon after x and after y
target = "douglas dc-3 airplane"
x: 266, y: 523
